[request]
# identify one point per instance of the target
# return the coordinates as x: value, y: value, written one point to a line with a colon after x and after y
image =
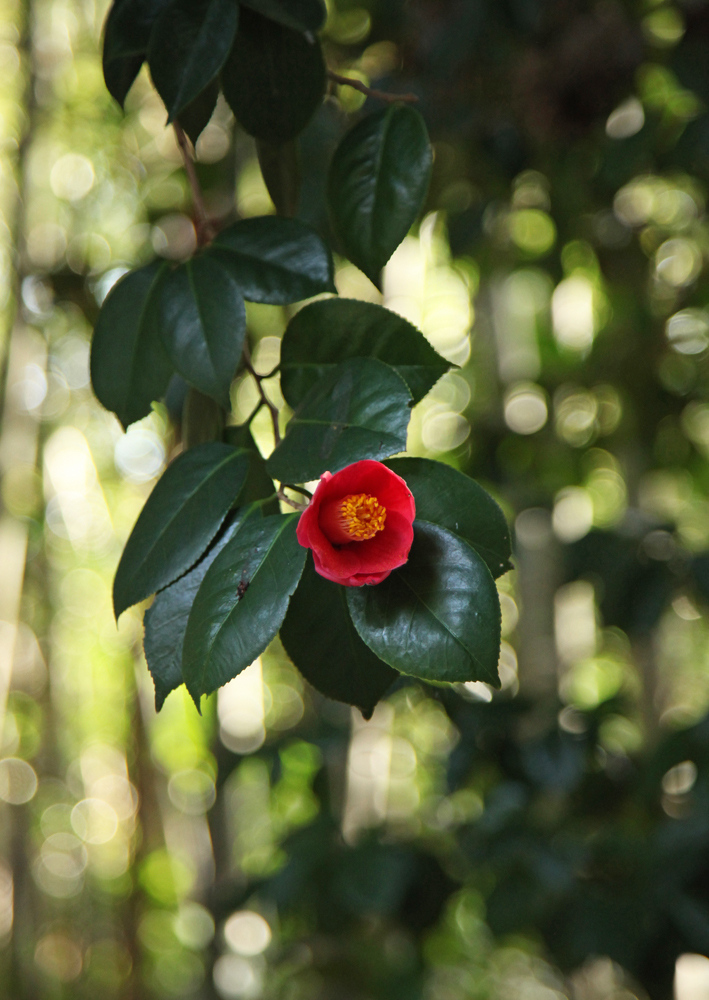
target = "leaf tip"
x: 495, y: 681
x: 118, y: 607
x: 375, y: 276
x: 195, y: 696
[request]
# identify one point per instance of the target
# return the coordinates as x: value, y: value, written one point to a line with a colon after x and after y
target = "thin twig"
x: 253, y: 413
x: 202, y: 226
x: 298, y: 489
x: 291, y: 503
x: 272, y: 409
x: 380, y: 95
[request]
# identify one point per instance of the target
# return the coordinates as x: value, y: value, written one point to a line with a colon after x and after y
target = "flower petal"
x: 361, y: 562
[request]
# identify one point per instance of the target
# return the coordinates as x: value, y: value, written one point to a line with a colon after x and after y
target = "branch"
x: 202, y: 226
x: 380, y: 95
x: 298, y: 489
x: 291, y: 503
x: 272, y: 409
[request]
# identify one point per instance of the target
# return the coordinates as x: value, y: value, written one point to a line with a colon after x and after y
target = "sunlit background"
x: 145, y: 855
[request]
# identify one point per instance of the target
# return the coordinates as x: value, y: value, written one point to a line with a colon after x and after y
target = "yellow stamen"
x: 361, y: 516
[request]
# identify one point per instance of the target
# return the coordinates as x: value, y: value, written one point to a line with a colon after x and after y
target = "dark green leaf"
x: 129, y: 24
x: 203, y: 322
x: 203, y: 420
x: 239, y: 436
x: 196, y: 116
x: 165, y: 620
x: 359, y: 409
x: 176, y: 397
x: 280, y: 169
x: 274, y: 260
x: 321, y: 640
x: 327, y: 332
x: 438, y: 617
x: 303, y: 15
x: 120, y: 74
x: 180, y: 518
x: 241, y: 603
x: 445, y: 496
x: 377, y: 185
x: 274, y: 79
x: 129, y: 367
x: 125, y: 42
x: 258, y: 485
x: 189, y: 44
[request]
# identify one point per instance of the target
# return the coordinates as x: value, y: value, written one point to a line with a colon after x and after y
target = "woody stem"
x: 200, y: 212
x: 380, y: 95
x: 272, y: 409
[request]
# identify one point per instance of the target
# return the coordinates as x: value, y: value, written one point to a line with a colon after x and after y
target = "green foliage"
x: 275, y: 261
x: 125, y: 42
x: 179, y: 520
x: 321, y: 640
x: 359, y: 409
x: 129, y: 367
x: 438, y: 617
x: 351, y: 370
x: 241, y: 602
x: 274, y: 79
x: 378, y: 181
x: 166, y: 618
x: 195, y: 117
x: 302, y: 15
x: 281, y: 171
x: 189, y: 44
x: 446, y: 497
x: 258, y: 485
x: 203, y: 321
x: 324, y: 333
x: 565, y: 821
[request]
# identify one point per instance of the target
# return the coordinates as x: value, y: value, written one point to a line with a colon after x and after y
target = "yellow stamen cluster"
x: 361, y: 516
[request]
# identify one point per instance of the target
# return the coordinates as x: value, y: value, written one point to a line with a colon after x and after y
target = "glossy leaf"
x: 438, y: 617
x: 274, y: 260
x: 125, y: 42
x: 359, y: 409
x: 274, y: 79
x: 165, y: 620
x: 378, y: 183
x: 258, y: 485
x: 325, y: 333
x: 241, y: 603
x: 197, y: 115
x: 303, y: 15
x: 129, y: 366
x: 189, y: 44
x: 180, y: 518
x: 322, y: 642
x: 446, y: 497
x: 203, y: 320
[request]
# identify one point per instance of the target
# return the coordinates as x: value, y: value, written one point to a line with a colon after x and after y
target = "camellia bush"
x: 386, y: 565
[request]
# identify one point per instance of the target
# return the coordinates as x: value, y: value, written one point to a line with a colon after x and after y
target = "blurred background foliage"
x: 547, y: 841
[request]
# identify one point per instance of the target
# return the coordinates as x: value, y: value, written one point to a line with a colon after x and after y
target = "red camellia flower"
x: 359, y: 524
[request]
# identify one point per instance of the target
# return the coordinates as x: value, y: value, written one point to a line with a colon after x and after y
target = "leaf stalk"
x: 379, y: 95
